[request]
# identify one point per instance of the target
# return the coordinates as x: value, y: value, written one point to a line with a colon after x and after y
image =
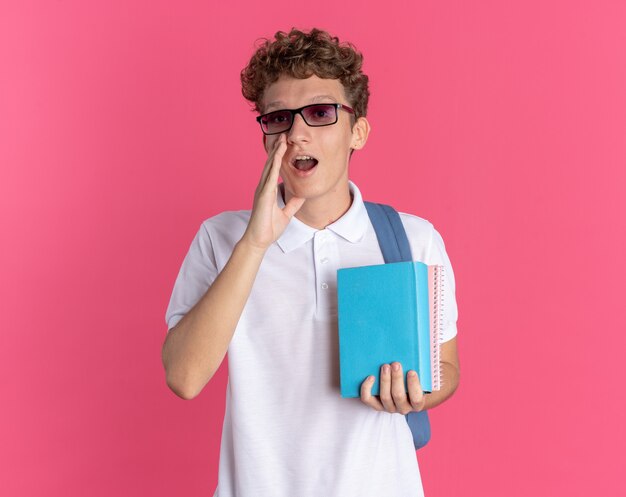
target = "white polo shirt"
x: 287, y: 431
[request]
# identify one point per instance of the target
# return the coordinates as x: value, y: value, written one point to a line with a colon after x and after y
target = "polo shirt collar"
x: 351, y: 226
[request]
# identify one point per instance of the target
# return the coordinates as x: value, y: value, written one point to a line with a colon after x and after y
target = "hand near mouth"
x: 268, y: 221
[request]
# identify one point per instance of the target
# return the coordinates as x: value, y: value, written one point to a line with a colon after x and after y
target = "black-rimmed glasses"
x: 314, y: 115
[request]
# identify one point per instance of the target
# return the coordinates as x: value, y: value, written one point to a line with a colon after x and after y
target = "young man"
x: 261, y: 285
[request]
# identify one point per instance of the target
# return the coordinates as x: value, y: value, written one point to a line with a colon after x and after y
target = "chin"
x: 301, y: 191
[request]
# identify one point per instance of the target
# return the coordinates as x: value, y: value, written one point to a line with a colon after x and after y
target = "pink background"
x: 503, y: 123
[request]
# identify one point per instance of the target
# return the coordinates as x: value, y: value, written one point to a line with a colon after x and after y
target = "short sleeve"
x: 196, y: 275
x: 436, y: 254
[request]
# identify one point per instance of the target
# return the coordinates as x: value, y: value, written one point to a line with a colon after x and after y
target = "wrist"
x: 250, y: 248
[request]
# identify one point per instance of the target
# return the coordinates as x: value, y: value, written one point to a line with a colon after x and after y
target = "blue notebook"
x: 389, y: 312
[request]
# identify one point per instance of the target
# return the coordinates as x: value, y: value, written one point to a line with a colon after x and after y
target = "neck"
x: 320, y: 212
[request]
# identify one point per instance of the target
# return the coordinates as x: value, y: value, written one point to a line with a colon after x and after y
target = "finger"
x: 293, y: 206
x: 398, y: 392
x: 267, y: 168
x: 366, y: 394
x: 277, y: 160
x: 385, y: 388
x: 270, y: 156
x: 416, y: 394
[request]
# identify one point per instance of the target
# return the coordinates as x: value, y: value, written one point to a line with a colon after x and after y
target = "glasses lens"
x: 320, y: 115
x: 276, y: 122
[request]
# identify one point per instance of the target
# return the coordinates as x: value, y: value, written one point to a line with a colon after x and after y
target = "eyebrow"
x: 279, y: 104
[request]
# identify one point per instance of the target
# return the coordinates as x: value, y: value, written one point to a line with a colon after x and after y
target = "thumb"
x: 293, y: 206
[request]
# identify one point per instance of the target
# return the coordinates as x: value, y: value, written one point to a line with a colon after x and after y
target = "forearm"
x: 195, y: 348
x: 449, y: 383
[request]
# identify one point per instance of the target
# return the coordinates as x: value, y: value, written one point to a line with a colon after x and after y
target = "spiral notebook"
x: 389, y: 312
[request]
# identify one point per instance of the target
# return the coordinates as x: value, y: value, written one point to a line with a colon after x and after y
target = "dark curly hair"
x: 299, y: 55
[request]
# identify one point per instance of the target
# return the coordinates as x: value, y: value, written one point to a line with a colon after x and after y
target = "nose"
x: 299, y: 131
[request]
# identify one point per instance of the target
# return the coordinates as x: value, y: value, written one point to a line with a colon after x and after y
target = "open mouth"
x: 304, y: 162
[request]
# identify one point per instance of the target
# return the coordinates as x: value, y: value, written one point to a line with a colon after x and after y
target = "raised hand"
x: 268, y: 221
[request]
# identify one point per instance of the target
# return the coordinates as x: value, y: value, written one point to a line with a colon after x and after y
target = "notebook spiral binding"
x: 438, y: 325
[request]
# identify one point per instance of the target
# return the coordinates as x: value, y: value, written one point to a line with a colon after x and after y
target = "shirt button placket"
x: 323, y: 272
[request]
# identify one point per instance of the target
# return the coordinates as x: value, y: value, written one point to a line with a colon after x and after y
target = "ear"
x: 360, y: 132
x: 265, y: 142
